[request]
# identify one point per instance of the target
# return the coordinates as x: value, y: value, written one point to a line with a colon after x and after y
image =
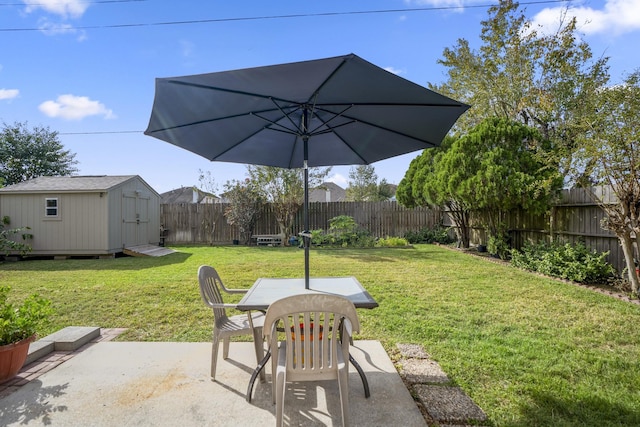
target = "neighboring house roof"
x: 78, y: 183
x: 327, y: 192
x: 187, y: 195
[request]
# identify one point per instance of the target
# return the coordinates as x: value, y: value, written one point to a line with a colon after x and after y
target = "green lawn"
x: 530, y: 351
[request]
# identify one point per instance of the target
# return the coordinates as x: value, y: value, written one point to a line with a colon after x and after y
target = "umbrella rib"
x: 355, y: 119
x: 234, y: 91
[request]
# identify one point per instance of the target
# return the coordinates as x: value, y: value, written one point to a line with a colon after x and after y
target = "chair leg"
x: 280, y: 381
x: 214, y: 355
x: 225, y: 347
x: 343, y: 387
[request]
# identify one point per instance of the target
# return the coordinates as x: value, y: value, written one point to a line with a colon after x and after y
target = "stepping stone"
x: 38, y: 349
x: 72, y: 338
x: 412, y: 351
x: 422, y: 371
x: 448, y: 404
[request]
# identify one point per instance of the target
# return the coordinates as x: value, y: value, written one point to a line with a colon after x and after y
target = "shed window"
x: 51, y: 207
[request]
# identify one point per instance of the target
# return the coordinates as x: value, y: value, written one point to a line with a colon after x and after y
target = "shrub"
x: 438, y: 234
x: 499, y: 245
x: 18, y: 322
x: 7, y: 244
x: 572, y: 262
x: 392, y: 242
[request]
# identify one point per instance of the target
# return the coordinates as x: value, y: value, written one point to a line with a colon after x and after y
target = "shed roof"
x: 79, y: 183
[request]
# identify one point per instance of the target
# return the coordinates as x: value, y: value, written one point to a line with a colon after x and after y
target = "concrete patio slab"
x: 168, y: 384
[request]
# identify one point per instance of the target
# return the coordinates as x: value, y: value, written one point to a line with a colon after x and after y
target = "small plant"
x: 392, y: 242
x: 499, y: 245
x: 22, y: 321
x: 8, y: 245
x: 572, y: 262
x: 438, y: 234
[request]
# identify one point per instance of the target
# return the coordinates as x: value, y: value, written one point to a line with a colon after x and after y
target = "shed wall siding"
x: 79, y: 229
x: 89, y: 223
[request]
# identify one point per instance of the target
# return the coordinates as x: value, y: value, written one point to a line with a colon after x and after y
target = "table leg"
x: 363, y: 377
x: 256, y: 372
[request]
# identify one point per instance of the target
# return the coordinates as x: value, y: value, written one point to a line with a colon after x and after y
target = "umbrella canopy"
x: 333, y: 111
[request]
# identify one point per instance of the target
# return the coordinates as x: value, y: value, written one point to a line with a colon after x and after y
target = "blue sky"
x: 86, y: 68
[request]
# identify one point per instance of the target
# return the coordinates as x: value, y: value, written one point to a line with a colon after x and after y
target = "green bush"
x: 392, y: 242
x: 343, y: 232
x: 7, y: 244
x: 499, y: 245
x: 438, y: 234
x: 572, y: 262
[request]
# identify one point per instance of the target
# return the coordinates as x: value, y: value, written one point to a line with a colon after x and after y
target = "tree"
x: 363, y: 184
x: 245, y: 205
x: 384, y: 190
x: 29, y: 153
x: 493, y: 169
x: 284, y: 188
x: 419, y: 188
x: 540, y: 80
x: 209, y: 185
x: 609, y: 155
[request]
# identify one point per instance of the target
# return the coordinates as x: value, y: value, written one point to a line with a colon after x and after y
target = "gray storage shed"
x: 84, y: 215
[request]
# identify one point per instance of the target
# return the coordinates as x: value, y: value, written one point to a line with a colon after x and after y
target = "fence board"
x: 187, y: 223
x: 576, y: 217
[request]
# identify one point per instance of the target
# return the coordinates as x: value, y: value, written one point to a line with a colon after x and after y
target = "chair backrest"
x: 313, y: 325
x: 210, y: 284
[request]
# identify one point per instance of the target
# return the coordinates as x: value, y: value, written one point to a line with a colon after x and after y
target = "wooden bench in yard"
x: 268, y: 239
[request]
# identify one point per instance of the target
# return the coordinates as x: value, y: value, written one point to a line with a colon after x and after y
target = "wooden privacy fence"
x: 576, y: 217
x: 191, y: 223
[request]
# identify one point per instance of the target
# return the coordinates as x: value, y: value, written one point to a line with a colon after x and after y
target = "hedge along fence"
x: 575, y: 217
x: 191, y: 223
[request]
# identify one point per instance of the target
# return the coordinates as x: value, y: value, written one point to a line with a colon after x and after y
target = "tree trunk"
x: 627, y: 248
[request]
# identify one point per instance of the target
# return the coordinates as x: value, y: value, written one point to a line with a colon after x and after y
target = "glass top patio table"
x: 267, y: 290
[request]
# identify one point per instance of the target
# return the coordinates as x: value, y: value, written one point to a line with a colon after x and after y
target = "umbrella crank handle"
x: 305, y: 234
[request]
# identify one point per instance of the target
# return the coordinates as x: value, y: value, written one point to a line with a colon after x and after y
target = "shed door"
x: 135, y: 218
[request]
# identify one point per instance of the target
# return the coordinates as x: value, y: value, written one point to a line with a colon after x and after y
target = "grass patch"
x: 530, y: 351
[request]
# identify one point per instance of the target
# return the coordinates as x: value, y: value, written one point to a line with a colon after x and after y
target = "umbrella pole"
x: 307, y: 233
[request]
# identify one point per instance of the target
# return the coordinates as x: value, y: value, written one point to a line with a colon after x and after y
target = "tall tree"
x: 609, y: 155
x: 29, y: 153
x: 420, y: 187
x: 493, y: 169
x: 284, y: 188
x: 522, y: 74
x: 363, y: 184
x: 245, y: 205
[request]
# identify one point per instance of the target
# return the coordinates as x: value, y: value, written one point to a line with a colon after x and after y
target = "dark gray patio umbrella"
x: 334, y: 111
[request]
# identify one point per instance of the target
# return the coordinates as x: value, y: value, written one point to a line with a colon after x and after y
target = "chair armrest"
x: 236, y: 291
x: 219, y: 305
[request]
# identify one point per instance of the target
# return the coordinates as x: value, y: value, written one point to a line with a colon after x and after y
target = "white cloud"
x: 454, y: 5
x: 436, y: 3
x: 9, y: 93
x: 71, y: 107
x: 187, y: 48
x: 616, y: 17
x: 395, y: 71
x: 338, y: 179
x: 53, y: 29
x: 64, y: 8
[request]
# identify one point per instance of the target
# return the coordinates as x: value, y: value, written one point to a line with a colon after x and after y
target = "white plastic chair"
x: 318, y: 330
x: 225, y: 327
